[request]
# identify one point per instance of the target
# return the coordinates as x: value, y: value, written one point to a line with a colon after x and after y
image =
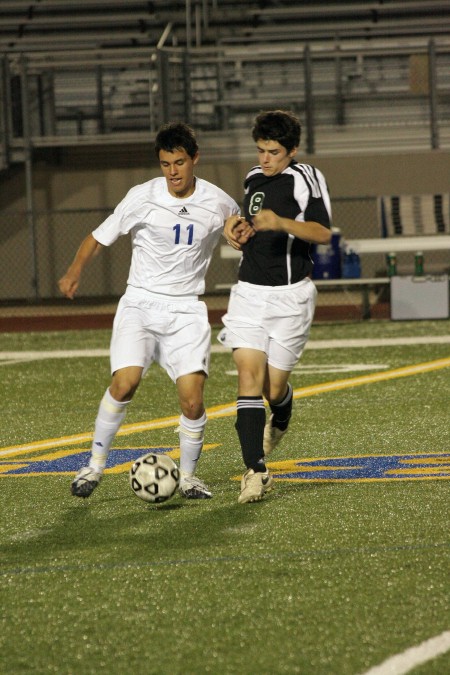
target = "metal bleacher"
x: 27, y: 25
x: 109, y: 71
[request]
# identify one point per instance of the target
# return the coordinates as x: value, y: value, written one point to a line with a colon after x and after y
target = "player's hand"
x: 266, y: 219
x: 68, y: 285
x: 237, y: 231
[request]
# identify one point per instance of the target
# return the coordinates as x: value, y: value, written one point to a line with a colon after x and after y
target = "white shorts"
x: 272, y: 319
x: 172, y: 331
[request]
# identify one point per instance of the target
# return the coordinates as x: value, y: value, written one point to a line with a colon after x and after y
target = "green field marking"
x: 228, y: 409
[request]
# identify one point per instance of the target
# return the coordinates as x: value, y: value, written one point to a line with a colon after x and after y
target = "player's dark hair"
x: 176, y: 136
x: 278, y: 125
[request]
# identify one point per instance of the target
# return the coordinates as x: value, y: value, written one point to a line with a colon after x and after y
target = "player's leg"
x: 112, y: 412
x: 246, y: 334
x: 250, y: 422
x: 184, y: 352
x: 110, y: 415
x: 131, y: 352
x: 289, y: 333
x: 191, y: 431
x: 278, y: 392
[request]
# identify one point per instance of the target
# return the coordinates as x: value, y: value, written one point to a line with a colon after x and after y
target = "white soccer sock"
x: 110, y: 416
x: 191, y: 443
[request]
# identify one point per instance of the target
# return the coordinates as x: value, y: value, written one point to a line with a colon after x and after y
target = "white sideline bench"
x: 424, y: 242
x: 439, y: 242
x: 379, y: 245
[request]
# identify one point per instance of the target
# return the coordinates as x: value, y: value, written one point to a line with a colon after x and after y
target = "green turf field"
x: 343, y: 565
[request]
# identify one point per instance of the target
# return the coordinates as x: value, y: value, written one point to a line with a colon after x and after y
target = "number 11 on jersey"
x: 190, y: 230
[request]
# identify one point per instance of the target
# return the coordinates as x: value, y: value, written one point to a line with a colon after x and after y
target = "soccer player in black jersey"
x: 270, y: 311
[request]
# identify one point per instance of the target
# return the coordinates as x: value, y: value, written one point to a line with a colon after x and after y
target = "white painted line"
x: 220, y: 349
x: 363, y: 342
x: 332, y: 368
x: 55, y: 354
x: 379, y: 342
x: 413, y: 657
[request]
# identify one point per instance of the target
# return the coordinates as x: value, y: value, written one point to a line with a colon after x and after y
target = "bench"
x: 437, y: 242
x: 400, y: 244
x: 364, y: 246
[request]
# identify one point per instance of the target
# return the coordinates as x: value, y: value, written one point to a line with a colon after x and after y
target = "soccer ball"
x: 154, y: 478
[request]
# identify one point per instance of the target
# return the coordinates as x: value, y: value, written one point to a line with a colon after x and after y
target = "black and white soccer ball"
x: 154, y: 478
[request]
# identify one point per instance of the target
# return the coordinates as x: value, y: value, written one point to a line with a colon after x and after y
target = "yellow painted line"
x: 348, y: 480
x: 227, y: 409
x: 12, y: 467
x: 419, y: 471
x: 438, y: 460
x: 75, y: 439
x: 406, y: 371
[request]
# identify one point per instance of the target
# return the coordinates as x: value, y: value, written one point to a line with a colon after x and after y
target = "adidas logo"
x: 183, y: 212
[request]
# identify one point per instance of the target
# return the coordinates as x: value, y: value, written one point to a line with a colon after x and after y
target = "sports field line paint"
x: 344, y: 343
x: 413, y: 657
x: 405, y: 371
x: 227, y: 409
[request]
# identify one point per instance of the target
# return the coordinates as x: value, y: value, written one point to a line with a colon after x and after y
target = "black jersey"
x: 273, y: 258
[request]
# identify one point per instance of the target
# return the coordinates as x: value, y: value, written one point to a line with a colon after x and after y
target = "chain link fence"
x: 35, y: 253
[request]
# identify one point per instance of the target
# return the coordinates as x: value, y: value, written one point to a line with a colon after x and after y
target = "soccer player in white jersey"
x: 174, y: 222
x: 270, y: 311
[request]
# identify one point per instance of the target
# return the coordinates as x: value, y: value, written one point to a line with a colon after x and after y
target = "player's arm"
x: 310, y: 230
x: 68, y: 284
x: 237, y: 231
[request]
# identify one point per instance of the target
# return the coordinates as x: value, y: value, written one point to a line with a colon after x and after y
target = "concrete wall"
x: 95, y: 178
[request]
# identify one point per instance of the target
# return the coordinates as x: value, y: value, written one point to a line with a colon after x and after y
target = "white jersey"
x: 172, y: 239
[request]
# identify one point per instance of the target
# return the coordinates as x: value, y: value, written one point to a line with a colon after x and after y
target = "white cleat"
x: 192, y: 487
x: 254, y: 485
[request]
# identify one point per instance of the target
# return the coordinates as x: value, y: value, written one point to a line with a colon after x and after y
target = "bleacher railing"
x: 112, y: 96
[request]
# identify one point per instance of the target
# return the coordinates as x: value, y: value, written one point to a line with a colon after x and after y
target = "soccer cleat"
x: 272, y: 436
x: 192, y: 487
x: 254, y: 485
x: 85, y: 482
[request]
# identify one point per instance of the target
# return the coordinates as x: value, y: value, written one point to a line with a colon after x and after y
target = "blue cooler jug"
x: 351, y: 268
x: 327, y: 257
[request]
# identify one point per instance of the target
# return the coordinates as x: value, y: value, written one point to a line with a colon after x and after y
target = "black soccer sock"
x: 251, y: 419
x: 282, y: 411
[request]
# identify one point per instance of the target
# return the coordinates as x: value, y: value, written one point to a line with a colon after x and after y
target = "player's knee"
x: 192, y: 408
x: 123, y: 388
